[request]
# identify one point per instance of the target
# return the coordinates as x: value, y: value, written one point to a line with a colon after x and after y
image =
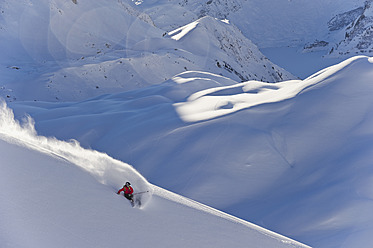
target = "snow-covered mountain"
x: 176, y: 90
x: 358, y: 28
x: 339, y: 28
x: 320, y: 28
x: 57, y: 194
x: 268, y: 23
x: 228, y: 49
x: 294, y: 156
x: 108, y: 47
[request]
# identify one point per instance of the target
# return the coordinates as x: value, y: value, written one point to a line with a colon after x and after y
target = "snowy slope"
x: 71, y: 52
x: 274, y: 23
x: 292, y: 156
x: 358, y: 37
x: 57, y: 194
x: 287, y: 151
x: 319, y: 27
x: 229, y: 50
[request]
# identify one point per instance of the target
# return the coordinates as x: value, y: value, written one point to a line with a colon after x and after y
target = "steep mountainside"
x: 228, y: 49
x: 341, y: 25
x: 175, y: 88
x: 74, y: 51
x: 295, y: 156
x: 71, y: 201
x: 267, y: 23
x: 358, y: 33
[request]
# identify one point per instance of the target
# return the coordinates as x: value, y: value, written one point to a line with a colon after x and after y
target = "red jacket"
x: 126, y: 190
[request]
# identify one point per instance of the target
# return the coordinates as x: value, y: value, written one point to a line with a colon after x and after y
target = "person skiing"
x: 128, y: 191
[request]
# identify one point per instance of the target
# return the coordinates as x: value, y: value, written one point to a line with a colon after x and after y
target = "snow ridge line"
x: 204, y: 105
x: 105, y: 169
x: 202, y: 207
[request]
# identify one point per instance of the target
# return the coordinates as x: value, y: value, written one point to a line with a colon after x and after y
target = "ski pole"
x: 140, y: 192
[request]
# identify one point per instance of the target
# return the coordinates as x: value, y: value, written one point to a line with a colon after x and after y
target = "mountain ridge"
x: 163, y: 91
x: 276, y: 149
x: 86, y: 212
x: 74, y: 57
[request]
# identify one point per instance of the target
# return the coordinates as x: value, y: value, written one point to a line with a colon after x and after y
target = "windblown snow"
x: 58, y: 194
x: 215, y: 102
x: 287, y: 160
x: 177, y: 98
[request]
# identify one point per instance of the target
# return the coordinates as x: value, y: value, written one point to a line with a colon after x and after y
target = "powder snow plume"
x: 103, y: 168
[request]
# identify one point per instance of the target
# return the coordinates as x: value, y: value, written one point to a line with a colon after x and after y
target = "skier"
x: 128, y: 191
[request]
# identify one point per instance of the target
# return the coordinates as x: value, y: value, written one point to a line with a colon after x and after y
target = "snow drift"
x: 219, y: 101
x: 70, y: 52
x: 57, y: 194
x: 293, y: 156
x: 287, y: 157
x: 103, y: 168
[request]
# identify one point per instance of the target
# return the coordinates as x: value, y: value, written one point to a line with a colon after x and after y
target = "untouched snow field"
x: 71, y: 52
x: 295, y: 156
x: 57, y: 194
x: 175, y: 94
x: 282, y: 29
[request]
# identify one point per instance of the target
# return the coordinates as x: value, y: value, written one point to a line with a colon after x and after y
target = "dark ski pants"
x: 129, y: 196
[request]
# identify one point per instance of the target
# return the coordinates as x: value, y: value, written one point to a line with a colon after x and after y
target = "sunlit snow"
x: 174, y: 97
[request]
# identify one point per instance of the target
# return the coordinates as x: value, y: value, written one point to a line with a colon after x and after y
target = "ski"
x: 135, y: 201
x: 137, y: 198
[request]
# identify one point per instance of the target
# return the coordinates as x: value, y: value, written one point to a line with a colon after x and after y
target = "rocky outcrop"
x: 358, y: 37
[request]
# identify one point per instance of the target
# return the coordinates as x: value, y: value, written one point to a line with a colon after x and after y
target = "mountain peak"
x: 358, y: 34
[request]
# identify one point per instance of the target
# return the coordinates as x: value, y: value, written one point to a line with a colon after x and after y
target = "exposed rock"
x: 358, y: 37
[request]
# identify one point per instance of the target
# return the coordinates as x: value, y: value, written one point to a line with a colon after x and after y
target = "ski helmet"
x: 128, y: 184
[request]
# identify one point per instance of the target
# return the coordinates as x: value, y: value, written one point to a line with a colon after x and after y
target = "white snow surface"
x: 271, y: 23
x: 294, y: 157
x: 70, y: 52
x: 57, y: 194
x: 174, y: 94
x: 280, y: 24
